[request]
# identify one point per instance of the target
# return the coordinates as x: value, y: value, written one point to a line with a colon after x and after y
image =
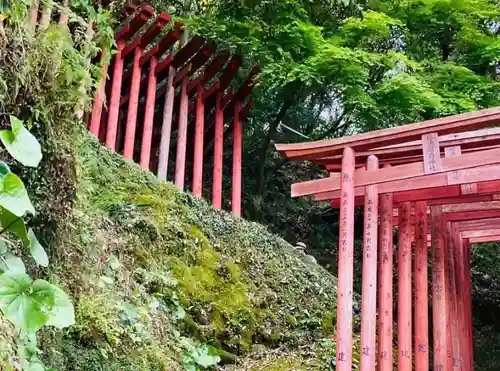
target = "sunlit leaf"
x: 62, y: 314
x: 37, y: 250
x: 11, y: 263
x: 25, y: 303
x: 21, y: 144
x: 13, y: 195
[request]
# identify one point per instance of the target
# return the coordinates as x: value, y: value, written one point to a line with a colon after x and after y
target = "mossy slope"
x: 161, y: 279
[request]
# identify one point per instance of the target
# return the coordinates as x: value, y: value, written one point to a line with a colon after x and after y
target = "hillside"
x: 161, y: 281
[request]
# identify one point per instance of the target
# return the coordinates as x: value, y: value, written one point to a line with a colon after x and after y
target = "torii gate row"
x: 145, y: 109
x: 430, y: 181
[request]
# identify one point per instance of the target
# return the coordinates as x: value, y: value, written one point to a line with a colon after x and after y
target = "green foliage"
x: 21, y: 144
x: 28, y: 305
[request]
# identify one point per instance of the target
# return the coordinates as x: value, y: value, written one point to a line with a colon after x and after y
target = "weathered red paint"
x: 438, y: 291
x: 198, y: 142
x: 180, y: 160
x: 385, y: 318
x: 114, y: 102
x: 345, y: 266
x: 421, y: 288
x: 369, y: 279
x: 218, y: 153
x: 147, y: 130
x: 166, y: 130
x: 468, y: 303
x: 135, y: 85
x: 404, y: 289
x: 237, y: 160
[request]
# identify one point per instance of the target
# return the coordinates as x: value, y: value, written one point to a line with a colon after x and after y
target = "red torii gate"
x: 157, y: 86
x: 440, y: 178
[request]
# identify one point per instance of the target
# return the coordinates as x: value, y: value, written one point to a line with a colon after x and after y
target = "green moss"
x: 282, y: 364
x: 291, y: 320
x: 214, y: 285
x: 328, y: 321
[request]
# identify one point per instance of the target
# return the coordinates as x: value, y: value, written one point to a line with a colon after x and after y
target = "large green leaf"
x: 63, y: 314
x: 25, y: 303
x: 15, y: 224
x: 37, y: 250
x: 11, y: 263
x: 13, y: 195
x: 21, y: 144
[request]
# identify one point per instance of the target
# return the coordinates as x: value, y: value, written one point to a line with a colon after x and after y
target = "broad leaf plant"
x: 29, y: 304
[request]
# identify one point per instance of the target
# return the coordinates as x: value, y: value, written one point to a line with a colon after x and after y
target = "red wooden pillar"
x: 114, y: 102
x: 404, y: 289
x: 438, y: 291
x: 421, y: 289
x: 369, y: 280
x: 468, y: 302
x: 457, y: 360
x: 346, y: 261
x: 237, y: 159
x: 100, y: 96
x: 385, y: 320
x: 180, y: 160
x: 460, y: 292
x: 135, y: 85
x: 218, y: 153
x: 198, y: 142
x: 166, y: 129
x: 149, y: 112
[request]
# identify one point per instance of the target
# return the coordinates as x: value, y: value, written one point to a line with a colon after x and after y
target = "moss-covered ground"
x: 162, y: 281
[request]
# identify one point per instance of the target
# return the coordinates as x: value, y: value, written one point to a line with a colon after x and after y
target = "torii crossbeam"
x: 438, y: 181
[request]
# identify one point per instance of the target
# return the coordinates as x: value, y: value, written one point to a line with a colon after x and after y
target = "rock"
x: 310, y: 259
x: 300, y: 245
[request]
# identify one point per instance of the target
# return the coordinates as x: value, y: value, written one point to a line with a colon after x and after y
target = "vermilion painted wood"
x: 218, y: 153
x: 128, y: 150
x: 421, y: 288
x: 464, y: 216
x: 468, y: 302
x: 438, y: 291
x: 237, y: 160
x: 385, y: 320
x: 100, y: 96
x: 147, y: 131
x: 128, y: 30
x: 198, y: 143
x: 484, y: 239
x: 478, y: 174
x: 471, y: 224
x: 481, y: 233
x: 457, y: 359
x: 369, y: 278
x: 460, y: 292
x: 434, y: 196
x: 180, y: 160
x: 114, y: 102
x: 345, y: 266
x: 403, y: 173
x: 166, y: 130
x: 431, y: 154
x: 404, y: 290
x: 374, y: 139
x: 412, y: 152
x: 447, y: 293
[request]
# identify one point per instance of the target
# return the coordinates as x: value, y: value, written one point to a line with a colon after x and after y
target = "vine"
x: 27, y: 303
